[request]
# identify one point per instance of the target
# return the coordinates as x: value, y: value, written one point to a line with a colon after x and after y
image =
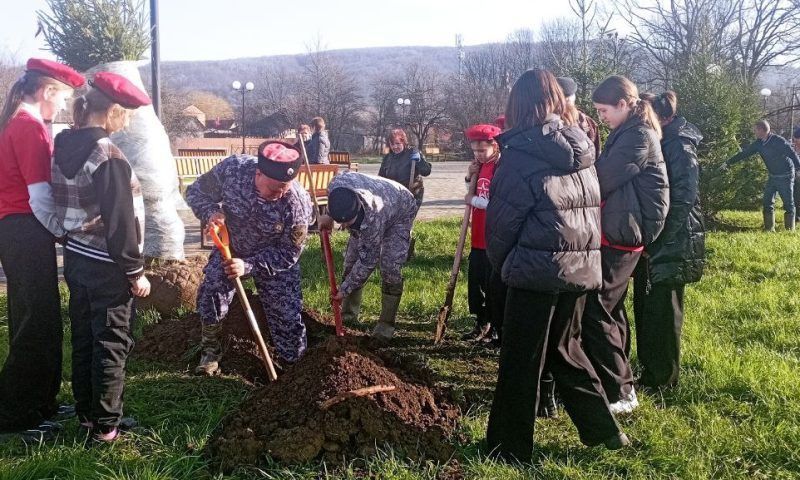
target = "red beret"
x: 482, y: 133
x: 120, y: 90
x: 59, y: 71
x: 278, y: 160
x: 500, y: 121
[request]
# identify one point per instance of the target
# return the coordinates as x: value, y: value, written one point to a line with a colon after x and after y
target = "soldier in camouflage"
x: 379, y: 214
x: 267, y: 214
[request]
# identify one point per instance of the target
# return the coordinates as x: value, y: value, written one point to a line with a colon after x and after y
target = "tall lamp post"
x: 404, y: 103
x: 155, y: 58
x: 243, y: 89
x: 765, y: 92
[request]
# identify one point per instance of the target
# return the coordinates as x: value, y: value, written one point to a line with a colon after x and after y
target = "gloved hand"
x: 415, y: 156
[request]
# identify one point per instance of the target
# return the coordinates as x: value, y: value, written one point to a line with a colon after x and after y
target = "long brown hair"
x: 665, y: 104
x: 535, y: 95
x: 27, y: 84
x: 616, y: 88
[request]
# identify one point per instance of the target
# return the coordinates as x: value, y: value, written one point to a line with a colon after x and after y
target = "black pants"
x: 498, y: 292
x: 478, y: 276
x: 658, y: 315
x: 101, y: 309
x: 605, y: 329
x: 31, y: 376
x: 796, y: 193
x: 543, y: 330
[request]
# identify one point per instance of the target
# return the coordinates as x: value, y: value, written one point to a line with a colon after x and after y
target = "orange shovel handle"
x: 219, y: 234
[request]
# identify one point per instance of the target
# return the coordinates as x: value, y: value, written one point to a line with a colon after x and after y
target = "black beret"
x: 343, y: 204
x: 279, y: 160
x: 568, y: 85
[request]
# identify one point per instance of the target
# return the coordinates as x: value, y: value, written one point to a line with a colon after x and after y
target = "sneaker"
x: 64, y: 412
x: 489, y: 337
x: 209, y: 364
x: 478, y: 333
x: 616, y: 442
x: 105, y: 437
x: 626, y: 404
x: 547, y: 408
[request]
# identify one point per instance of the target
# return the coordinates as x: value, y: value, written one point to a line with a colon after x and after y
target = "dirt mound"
x: 173, y: 284
x: 289, y: 421
x: 177, y: 341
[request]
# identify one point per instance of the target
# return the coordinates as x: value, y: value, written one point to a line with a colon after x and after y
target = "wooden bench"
x: 321, y: 176
x: 202, y: 152
x: 342, y: 159
x: 189, y: 168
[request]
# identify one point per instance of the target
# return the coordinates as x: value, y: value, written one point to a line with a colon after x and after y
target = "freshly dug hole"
x: 286, y: 419
x: 176, y: 342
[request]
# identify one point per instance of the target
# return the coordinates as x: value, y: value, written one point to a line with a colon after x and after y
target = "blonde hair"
x: 618, y: 88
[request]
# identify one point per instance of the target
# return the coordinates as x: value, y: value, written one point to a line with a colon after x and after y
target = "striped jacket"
x: 98, y: 199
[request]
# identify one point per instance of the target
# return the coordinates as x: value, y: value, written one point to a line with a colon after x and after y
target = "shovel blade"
x: 441, y: 324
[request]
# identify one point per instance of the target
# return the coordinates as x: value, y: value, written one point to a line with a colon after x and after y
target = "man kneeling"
x: 267, y: 213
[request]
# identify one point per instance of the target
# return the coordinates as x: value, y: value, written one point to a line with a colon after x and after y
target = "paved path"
x: 444, y: 196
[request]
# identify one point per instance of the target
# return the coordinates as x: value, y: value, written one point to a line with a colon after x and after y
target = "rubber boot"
x: 351, y: 306
x: 788, y: 221
x: 769, y: 221
x: 390, y: 302
x: 411, y: 248
x: 211, y: 350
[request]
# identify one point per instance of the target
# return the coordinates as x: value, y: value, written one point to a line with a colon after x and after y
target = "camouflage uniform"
x: 382, y: 237
x: 268, y: 236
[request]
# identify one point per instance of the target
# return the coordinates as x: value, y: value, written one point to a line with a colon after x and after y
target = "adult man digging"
x: 379, y: 214
x: 267, y: 214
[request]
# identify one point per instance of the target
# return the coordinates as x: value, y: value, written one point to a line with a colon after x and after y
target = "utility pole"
x: 155, y: 58
x: 795, y: 102
x: 461, y: 54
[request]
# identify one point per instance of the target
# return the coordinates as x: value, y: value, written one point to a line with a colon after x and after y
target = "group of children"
x: 80, y: 191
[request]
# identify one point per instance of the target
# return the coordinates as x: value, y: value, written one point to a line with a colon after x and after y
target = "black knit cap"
x: 279, y: 160
x: 343, y: 204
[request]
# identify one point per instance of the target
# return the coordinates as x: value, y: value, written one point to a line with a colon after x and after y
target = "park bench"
x: 342, y: 159
x: 189, y: 168
x: 321, y: 176
x: 202, y: 152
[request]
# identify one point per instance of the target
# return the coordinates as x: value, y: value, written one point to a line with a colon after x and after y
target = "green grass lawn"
x: 735, y: 415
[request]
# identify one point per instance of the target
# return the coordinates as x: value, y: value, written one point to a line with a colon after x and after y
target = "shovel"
x: 327, y: 251
x: 444, y: 312
x: 219, y: 233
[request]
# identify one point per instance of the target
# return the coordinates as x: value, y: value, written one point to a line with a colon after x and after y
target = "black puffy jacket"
x: 543, y: 218
x: 677, y: 256
x: 397, y: 167
x: 633, y: 184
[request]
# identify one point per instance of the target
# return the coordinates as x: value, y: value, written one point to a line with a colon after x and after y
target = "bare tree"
x: 9, y: 73
x: 382, y: 113
x: 423, y: 86
x: 479, y: 94
x: 768, y: 34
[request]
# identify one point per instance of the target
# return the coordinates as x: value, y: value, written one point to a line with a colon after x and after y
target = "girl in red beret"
x: 31, y: 376
x: 99, y: 201
x: 480, y: 281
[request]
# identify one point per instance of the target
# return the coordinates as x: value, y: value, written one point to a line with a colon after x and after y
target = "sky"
x: 221, y: 29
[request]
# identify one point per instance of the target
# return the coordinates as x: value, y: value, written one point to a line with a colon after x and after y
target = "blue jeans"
x: 782, y: 185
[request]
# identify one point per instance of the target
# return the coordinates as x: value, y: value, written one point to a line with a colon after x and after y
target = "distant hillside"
x: 367, y: 63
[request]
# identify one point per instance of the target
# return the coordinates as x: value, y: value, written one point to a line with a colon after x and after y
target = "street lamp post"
x: 404, y: 103
x: 765, y: 92
x: 243, y: 89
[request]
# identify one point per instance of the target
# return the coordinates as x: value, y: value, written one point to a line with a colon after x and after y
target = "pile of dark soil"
x: 289, y: 421
x: 176, y: 342
x: 173, y: 284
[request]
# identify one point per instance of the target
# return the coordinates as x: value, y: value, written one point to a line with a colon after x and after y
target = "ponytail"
x: 645, y: 111
x: 13, y: 100
x: 93, y: 101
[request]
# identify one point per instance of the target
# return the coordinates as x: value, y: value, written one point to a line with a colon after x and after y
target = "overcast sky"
x: 220, y: 29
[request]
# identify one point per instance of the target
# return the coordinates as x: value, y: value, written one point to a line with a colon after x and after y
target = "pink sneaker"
x: 109, y: 437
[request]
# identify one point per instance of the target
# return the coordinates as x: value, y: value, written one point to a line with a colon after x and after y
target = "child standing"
x: 99, y: 201
x: 487, y: 154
